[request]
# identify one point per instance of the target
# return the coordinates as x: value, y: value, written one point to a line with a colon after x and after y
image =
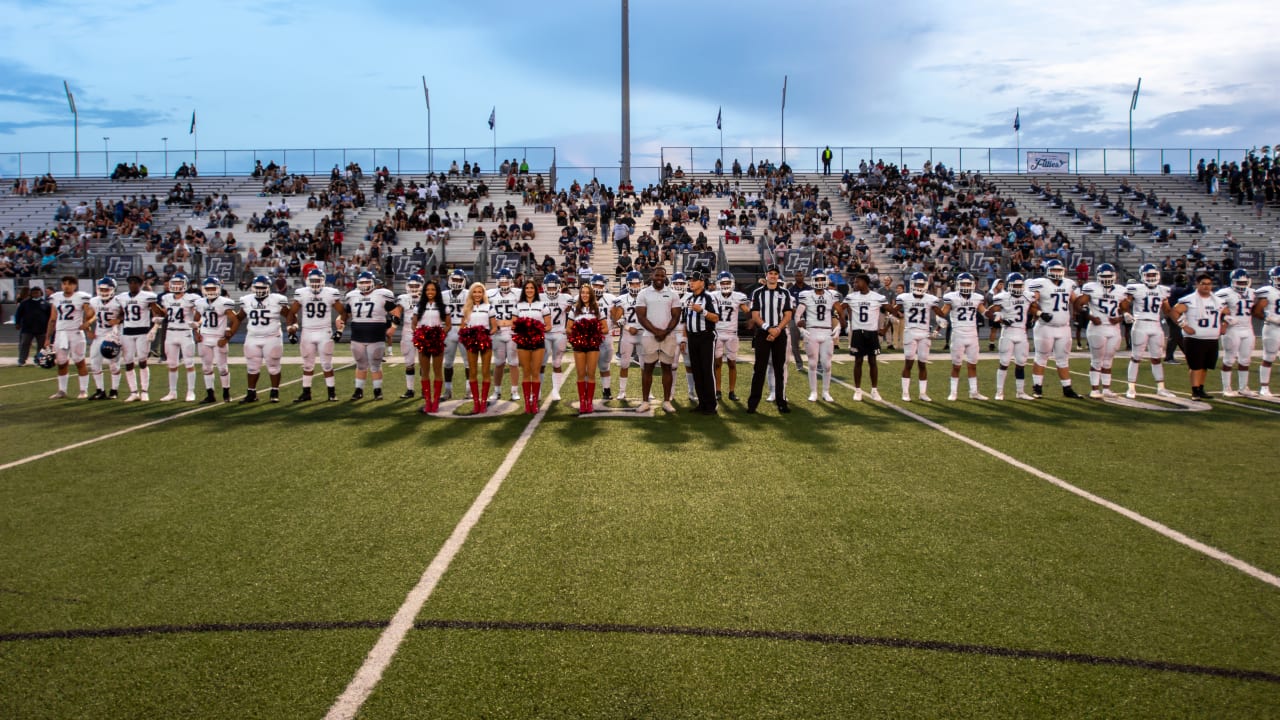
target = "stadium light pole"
x: 1133, y: 105
x: 783, y: 138
x: 166, y: 156
x: 71, y: 100
x: 106, y: 155
x: 624, y: 176
x: 426, y: 95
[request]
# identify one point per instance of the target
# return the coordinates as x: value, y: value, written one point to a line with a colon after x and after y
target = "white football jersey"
x: 1054, y: 299
x: 627, y: 302
x: 69, y: 309
x: 1203, y: 315
x: 1272, y: 310
x: 1103, y: 303
x: 137, y: 310
x: 454, y: 302
x: 607, y: 302
x: 179, y: 312
x: 864, y: 310
x: 558, y: 309
x: 315, y: 309
x: 917, y: 311
x: 105, y: 312
x: 1240, y: 305
x: 1016, y: 308
x: 263, y: 317
x: 964, y: 312
x: 370, y: 309
x: 213, y: 316
x: 728, y: 307
x: 504, y: 306
x: 1147, y: 301
x: 819, y: 307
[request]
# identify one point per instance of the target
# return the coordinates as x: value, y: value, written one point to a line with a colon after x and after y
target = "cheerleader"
x: 478, y: 327
x: 530, y: 325
x: 431, y: 323
x: 586, y: 331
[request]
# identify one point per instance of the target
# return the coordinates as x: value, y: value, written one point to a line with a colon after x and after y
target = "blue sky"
x: 348, y: 74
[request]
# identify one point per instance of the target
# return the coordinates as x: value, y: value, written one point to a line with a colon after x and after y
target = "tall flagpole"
x: 784, y: 118
x: 720, y: 127
x: 493, y: 125
x: 624, y: 176
x: 431, y: 165
x: 1017, y: 132
x: 1133, y: 105
x: 71, y: 100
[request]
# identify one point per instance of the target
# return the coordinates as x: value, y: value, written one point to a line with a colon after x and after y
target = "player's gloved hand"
x: 997, y: 316
x: 1046, y: 316
x: 1007, y: 322
x: 943, y: 323
x: 804, y: 333
x: 151, y: 334
x: 1274, y: 319
x: 1128, y: 318
x: 293, y: 328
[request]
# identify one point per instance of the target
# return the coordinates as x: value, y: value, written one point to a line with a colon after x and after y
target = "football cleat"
x: 977, y: 396
x: 1070, y: 392
x: 813, y: 397
x: 826, y: 397
x: 999, y: 396
x: 98, y: 394
x: 250, y: 396
x: 857, y: 395
x: 170, y: 397
x: 1024, y: 396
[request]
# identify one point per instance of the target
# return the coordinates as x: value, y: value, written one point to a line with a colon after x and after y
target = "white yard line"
x: 370, y: 673
x: 126, y: 431
x: 29, y: 382
x: 1143, y: 520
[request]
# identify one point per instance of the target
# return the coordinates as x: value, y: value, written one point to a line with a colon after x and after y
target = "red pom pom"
x: 475, y: 338
x: 586, y: 335
x: 529, y: 333
x: 429, y: 340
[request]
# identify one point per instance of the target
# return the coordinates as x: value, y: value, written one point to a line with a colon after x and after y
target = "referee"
x: 1199, y: 316
x: 771, y: 311
x: 700, y: 318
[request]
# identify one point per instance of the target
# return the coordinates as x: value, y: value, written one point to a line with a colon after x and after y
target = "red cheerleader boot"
x: 591, y: 397
x: 484, y: 403
x: 437, y: 387
x: 582, y: 398
x: 476, y: 398
x: 536, y: 400
x: 426, y: 396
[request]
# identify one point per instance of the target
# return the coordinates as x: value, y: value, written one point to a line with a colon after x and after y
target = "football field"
x: 1053, y: 558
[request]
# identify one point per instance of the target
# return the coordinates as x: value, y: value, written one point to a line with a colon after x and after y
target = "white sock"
x: 622, y: 386
x: 191, y: 380
x: 1106, y: 379
x: 377, y: 384
x: 132, y: 379
x: 1066, y: 383
x: 1133, y: 371
x: 224, y: 377
x: 97, y: 381
x: 955, y: 385
x: 359, y: 384
x: 84, y: 383
x: 906, y: 385
x: 924, y: 385
x: 173, y: 382
x: 1226, y: 379
x: 1037, y: 379
x: 145, y: 382
x: 330, y: 381
x: 1020, y: 383
x: 826, y: 380
x: 973, y: 386
x: 408, y: 381
x: 63, y: 381
x: 1157, y: 371
x: 306, y: 381
x: 115, y: 381
x: 1000, y: 378
x: 813, y: 377
x: 208, y: 381
x: 1264, y: 376
x: 1243, y: 379
x: 1093, y: 378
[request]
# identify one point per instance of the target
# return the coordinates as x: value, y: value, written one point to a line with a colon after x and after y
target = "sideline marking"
x: 375, y: 664
x: 1216, y: 554
x: 134, y: 428
x: 29, y: 382
x: 1212, y: 401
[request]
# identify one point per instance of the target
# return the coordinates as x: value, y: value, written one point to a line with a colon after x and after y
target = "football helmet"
x: 46, y: 358
x: 818, y: 277
x: 599, y: 284
x: 919, y: 284
x: 635, y: 282
x: 1016, y: 283
x: 1055, y: 270
x: 551, y: 285
x: 457, y: 280
x: 261, y: 287
x: 315, y: 280
x: 1107, y: 275
x: 966, y: 284
x: 1240, y: 280
x: 725, y: 282
x: 414, y: 286
x: 679, y: 283
x: 106, y: 288
x: 212, y: 288
x: 178, y: 283
x: 504, y: 279
x: 364, y: 282
x: 1150, y: 275
x: 110, y: 349
x: 1274, y: 274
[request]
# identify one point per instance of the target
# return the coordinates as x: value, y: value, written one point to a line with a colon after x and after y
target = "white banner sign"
x: 1048, y: 162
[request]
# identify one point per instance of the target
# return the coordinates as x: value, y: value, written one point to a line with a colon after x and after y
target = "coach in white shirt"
x: 658, y: 311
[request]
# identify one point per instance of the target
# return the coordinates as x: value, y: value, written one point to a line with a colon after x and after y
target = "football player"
x: 1200, y: 315
x: 179, y: 338
x: 216, y: 315
x: 1238, y: 338
x: 1010, y: 309
x: 266, y: 313
x: 71, y: 316
x: 607, y: 300
x: 819, y: 311
x: 865, y: 309
x: 680, y: 285
x: 961, y: 308
x: 1054, y: 296
x: 408, y: 301
x: 455, y: 298
x: 729, y: 304
x: 140, y: 308
x: 107, y: 312
x: 624, y: 312
x: 915, y: 307
x: 1145, y: 303
x: 503, y: 300
x: 317, y: 314
x: 557, y: 306
x: 1101, y: 299
x: 1266, y: 307
x: 369, y: 311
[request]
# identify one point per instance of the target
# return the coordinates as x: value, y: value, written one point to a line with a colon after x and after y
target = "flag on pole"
x: 718, y: 115
x: 784, y: 92
x: 193, y: 123
x: 426, y: 94
x: 1017, y: 120
x: 71, y: 99
x: 1133, y: 104
x: 493, y: 117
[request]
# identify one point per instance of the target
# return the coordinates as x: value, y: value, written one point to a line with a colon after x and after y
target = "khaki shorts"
x: 652, y: 351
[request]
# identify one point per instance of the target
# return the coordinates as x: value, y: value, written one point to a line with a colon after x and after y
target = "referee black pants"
x: 770, y: 355
x: 701, y: 359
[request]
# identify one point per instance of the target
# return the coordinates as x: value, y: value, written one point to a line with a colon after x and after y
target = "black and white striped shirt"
x: 696, y: 323
x: 773, y: 305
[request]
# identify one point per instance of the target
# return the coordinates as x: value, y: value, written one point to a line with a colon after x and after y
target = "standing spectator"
x: 771, y: 310
x: 700, y: 318
x: 32, y: 321
x: 826, y: 160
